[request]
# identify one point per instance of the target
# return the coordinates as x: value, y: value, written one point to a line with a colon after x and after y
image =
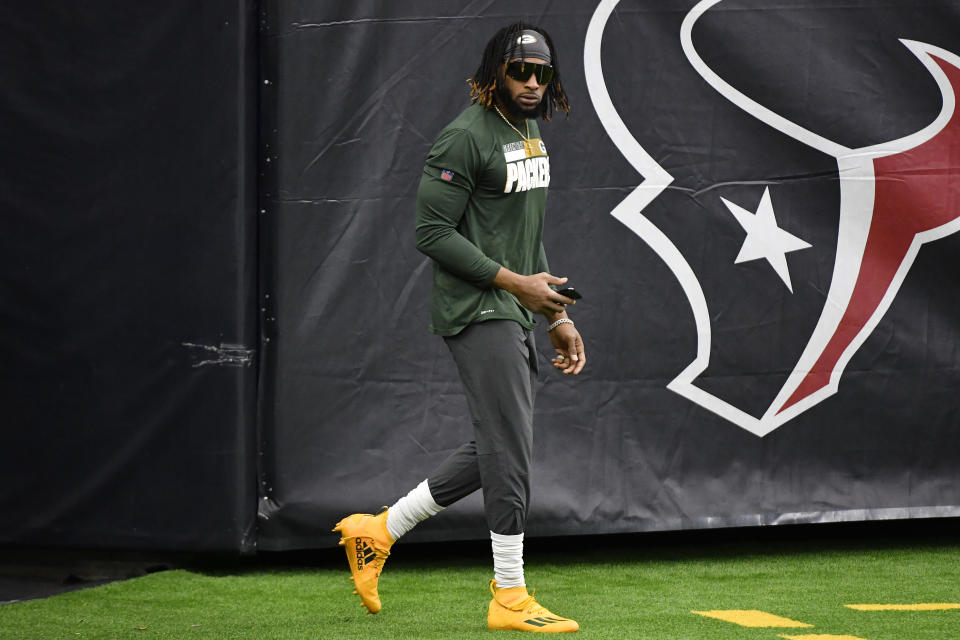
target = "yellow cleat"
x: 367, y: 543
x: 515, y: 609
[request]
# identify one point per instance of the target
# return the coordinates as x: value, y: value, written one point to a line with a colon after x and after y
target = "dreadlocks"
x: 483, y: 84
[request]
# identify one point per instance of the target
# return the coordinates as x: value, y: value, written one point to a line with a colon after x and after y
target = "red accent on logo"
x: 916, y: 191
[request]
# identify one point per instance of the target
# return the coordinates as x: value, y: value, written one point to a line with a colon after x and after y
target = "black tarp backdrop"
x: 362, y: 402
x: 130, y: 252
x: 128, y: 233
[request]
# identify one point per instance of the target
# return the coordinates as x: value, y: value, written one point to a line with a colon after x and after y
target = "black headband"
x: 529, y: 44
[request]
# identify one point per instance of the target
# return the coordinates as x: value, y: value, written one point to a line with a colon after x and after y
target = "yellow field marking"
x: 928, y: 606
x: 821, y: 636
x: 751, y: 618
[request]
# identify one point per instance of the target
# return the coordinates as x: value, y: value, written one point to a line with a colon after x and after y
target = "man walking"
x: 480, y: 213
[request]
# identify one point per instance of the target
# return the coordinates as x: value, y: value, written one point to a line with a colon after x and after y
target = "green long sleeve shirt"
x: 480, y: 206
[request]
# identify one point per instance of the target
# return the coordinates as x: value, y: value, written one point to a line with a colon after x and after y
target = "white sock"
x: 507, y: 560
x: 416, y: 506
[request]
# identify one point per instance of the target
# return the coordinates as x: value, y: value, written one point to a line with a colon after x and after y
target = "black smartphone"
x: 570, y: 292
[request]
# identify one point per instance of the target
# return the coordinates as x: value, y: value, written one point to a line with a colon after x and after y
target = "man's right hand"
x: 533, y: 291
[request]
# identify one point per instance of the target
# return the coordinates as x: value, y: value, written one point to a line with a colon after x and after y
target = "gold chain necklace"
x: 526, y: 138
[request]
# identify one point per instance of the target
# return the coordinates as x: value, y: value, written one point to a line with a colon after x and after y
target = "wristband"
x: 557, y: 323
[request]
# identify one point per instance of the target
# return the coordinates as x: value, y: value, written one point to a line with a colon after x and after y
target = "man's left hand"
x: 571, y: 357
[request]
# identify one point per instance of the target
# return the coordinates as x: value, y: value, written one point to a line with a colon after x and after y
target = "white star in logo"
x: 764, y: 238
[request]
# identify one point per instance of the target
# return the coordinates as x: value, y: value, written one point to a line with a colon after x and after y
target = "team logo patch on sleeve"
x: 447, y: 175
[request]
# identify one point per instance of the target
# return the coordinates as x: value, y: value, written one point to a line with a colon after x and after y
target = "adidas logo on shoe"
x: 367, y: 543
x: 517, y: 610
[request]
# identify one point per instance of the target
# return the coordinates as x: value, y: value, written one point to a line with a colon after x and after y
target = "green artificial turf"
x: 616, y: 587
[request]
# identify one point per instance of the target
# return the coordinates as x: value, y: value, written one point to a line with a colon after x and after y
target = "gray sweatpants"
x: 497, y: 361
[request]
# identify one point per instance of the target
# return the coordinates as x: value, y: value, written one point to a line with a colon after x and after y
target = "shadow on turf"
x: 27, y: 573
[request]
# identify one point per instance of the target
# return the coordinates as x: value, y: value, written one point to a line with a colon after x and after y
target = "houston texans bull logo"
x: 894, y: 197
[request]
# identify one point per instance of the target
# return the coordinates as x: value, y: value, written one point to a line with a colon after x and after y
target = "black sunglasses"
x: 521, y: 71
